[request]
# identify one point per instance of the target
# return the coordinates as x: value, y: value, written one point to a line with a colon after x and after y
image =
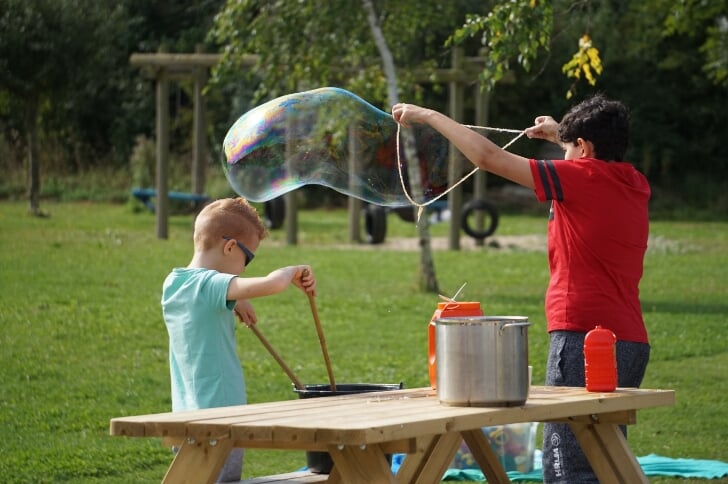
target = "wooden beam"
x: 199, y: 141
x: 162, y: 209
x: 161, y: 59
x: 181, y: 66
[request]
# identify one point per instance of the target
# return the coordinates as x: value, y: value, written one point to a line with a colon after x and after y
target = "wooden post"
x: 199, y: 144
x: 482, y: 100
x: 291, y: 218
x: 162, y: 206
x: 455, y: 198
x: 354, y: 203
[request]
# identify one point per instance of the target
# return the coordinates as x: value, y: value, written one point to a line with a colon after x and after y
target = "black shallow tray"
x: 324, y: 390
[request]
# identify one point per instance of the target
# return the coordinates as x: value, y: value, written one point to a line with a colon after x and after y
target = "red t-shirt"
x: 597, y: 238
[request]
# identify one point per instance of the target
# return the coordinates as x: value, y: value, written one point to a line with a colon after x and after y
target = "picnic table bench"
x: 359, y: 430
x: 298, y: 477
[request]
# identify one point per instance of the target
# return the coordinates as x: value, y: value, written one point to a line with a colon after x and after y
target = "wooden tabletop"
x: 369, y: 418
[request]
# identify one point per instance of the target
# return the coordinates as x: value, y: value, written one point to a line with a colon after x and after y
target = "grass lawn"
x: 83, y: 338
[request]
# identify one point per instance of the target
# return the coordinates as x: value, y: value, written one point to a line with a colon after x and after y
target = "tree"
x: 46, y: 51
x: 72, y: 56
x: 336, y: 42
x: 666, y: 59
x: 330, y: 41
x: 708, y: 19
x: 428, y: 277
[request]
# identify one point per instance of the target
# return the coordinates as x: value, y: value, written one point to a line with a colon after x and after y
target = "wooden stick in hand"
x: 296, y: 382
x: 322, y: 339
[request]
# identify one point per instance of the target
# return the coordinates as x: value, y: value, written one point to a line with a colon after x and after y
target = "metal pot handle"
x: 507, y: 325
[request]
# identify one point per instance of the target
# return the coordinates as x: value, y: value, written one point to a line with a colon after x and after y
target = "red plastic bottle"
x: 446, y: 310
x: 600, y: 360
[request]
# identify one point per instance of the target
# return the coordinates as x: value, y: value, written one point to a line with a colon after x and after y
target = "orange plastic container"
x: 600, y: 360
x: 446, y: 310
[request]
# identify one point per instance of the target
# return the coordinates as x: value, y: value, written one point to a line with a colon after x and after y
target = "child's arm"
x: 275, y: 282
x: 481, y: 152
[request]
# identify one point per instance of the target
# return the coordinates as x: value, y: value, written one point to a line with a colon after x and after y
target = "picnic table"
x: 359, y: 430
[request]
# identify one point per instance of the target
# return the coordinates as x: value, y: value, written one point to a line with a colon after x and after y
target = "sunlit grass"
x: 83, y: 339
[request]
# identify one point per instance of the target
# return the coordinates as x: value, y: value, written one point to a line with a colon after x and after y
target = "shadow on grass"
x: 682, y: 307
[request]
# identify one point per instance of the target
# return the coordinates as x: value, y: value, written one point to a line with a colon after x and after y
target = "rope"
x: 421, y: 206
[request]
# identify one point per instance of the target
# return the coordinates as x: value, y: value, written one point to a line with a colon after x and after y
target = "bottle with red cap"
x: 600, y: 360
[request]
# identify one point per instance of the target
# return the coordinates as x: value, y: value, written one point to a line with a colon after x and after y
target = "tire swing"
x: 274, y: 213
x: 375, y: 224
x: 491, y: 215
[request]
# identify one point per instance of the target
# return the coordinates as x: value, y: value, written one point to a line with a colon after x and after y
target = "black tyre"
x: 407, y: 214
x: 375, y: 224
x: 275, y: 213
x: 491, y: 218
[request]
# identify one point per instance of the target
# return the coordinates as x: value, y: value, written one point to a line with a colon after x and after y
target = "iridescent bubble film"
x: 328, y: 137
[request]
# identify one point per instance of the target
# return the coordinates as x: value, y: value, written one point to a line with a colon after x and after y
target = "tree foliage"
x: 48, y: 56
x: 328, y: 42
x: 665, y: 58
x: 584, y: 62
x: 707, y: 19
x: 72, y: 56
x: 514, y: 31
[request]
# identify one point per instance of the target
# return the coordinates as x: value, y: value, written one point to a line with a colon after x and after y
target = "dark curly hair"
x: 603, y: 122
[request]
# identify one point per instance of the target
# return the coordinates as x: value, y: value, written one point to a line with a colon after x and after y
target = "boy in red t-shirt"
x: 597, y: 238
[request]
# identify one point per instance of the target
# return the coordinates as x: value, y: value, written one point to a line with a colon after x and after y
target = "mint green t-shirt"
x: 203, y: 362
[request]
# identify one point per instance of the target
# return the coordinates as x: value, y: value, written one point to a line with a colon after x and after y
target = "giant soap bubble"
x: 328, y: 137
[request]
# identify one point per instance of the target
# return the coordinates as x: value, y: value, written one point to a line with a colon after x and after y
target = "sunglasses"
x: 249, y: 256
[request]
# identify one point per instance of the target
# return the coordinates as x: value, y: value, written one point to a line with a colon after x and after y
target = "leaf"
x: 586, y: 59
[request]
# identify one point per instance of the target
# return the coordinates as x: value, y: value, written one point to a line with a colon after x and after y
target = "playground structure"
x: 166, y: 67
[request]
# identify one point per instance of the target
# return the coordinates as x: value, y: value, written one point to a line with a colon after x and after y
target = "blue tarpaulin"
x: 652, y: 465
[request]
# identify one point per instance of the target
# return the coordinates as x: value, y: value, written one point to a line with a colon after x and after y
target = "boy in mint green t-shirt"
x: 199, y: 302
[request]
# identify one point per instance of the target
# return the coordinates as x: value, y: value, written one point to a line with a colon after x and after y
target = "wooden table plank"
x: 298, y: 477
x: 360, y: 428
x: 362, y: 418
x: 174, y: 423
x: 428, y: 417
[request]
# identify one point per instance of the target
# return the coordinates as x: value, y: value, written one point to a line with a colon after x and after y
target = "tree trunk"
x: 31, y: 131
x: 428, y: 278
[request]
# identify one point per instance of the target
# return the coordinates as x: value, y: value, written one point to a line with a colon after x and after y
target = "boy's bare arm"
x: 275, y: 282
x: 482, y: 152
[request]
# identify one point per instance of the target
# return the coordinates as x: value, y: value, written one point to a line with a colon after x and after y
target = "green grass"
x: 83, y: 338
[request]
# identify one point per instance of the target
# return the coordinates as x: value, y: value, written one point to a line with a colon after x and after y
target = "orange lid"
x: 458, y: 305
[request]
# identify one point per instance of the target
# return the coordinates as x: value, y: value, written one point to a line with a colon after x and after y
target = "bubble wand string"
x: 421, y: 206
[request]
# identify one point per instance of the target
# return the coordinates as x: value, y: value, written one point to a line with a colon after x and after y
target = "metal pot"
x: 482, y: 361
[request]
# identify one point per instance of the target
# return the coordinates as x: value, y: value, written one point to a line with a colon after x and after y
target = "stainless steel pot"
x: 482, y: 361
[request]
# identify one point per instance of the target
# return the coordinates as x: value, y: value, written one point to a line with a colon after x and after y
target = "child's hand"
x: 545, y: 127
x: 245, y: 312
x: 305, y: 280
x: 406, y: 114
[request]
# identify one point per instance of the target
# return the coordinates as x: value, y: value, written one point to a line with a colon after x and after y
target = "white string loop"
x: 421, y: 206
